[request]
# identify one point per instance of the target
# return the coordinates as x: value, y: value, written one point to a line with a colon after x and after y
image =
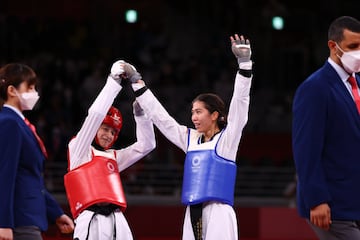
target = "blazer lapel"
x: 341, y: 91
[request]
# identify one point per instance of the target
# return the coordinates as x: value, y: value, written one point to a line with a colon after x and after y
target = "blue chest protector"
x: 208, y: 177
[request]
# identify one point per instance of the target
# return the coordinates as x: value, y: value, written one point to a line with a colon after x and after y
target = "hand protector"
x: 117, y: 71
x: 138, y: 111
x: 241, y: 48
x: 131, y: 73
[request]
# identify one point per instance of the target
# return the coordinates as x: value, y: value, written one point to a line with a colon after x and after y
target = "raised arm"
x: 145, y: 143
x: 167, y: 125
x: 79, y: 147
x: 239, y: 104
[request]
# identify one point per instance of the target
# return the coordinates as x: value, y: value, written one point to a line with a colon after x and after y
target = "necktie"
x: 41, y: 143
x: 355, y: 91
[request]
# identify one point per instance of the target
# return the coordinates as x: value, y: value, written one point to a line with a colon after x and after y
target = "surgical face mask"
x: 28, y: 100
x: 350, y: 60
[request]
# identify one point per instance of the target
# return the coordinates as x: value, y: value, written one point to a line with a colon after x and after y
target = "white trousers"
x: 102, y: 227
x: 218, y: 222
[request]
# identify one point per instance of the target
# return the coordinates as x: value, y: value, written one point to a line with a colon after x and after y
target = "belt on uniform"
x: 105, y: 210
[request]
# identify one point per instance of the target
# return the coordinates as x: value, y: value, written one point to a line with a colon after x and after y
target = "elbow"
x: 148, y: 147
x: 151, y: 146
x: 151, y: 142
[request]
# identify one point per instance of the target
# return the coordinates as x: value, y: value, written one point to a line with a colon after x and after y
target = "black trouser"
x: 26, y: 233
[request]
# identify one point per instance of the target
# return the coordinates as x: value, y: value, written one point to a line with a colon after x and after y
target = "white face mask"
x: 350, y: 60
x: 28, y: 100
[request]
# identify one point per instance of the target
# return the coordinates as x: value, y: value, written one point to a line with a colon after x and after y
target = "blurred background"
x: 181, y: 48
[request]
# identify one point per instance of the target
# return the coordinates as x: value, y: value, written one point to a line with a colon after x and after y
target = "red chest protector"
x: 97, y: 181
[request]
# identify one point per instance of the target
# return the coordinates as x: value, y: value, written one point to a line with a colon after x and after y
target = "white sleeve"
x: 79, y: 147
x: 237, y: 118
x: 145, y: 143
x: 167, y: 125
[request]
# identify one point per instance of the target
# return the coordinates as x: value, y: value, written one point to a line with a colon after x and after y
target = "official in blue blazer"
x: 25, y: 205
x: 326, y: 138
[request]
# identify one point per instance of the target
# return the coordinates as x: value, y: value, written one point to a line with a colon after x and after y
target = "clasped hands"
x: 122, y: 70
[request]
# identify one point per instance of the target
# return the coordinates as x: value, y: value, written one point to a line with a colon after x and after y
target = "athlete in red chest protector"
x: 93, y: 183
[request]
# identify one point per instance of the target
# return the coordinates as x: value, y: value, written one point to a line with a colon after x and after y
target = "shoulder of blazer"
x: 8, y: 113
x: 11, y: 117
x: 325, y: 75
x: 317, y: 85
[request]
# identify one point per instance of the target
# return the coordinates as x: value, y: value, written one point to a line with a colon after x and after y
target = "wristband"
x: 140, y: 91
x: 245, y: 72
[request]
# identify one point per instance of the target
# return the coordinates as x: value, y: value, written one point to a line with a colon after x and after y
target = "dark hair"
x: 338, y: 26
x: 14, y: 74
x: 214, y: 103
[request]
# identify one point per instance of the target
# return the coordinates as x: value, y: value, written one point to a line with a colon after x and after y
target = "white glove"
x: 131, y: 73
x: 117, y: 71
x: 241, y: 48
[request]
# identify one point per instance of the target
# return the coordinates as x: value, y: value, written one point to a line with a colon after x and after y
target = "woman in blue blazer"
x: 26, y: 206
x: 326, y: 138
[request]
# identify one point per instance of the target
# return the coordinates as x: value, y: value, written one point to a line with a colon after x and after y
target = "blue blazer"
x: 24, y: 200
x: 326, y: 143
